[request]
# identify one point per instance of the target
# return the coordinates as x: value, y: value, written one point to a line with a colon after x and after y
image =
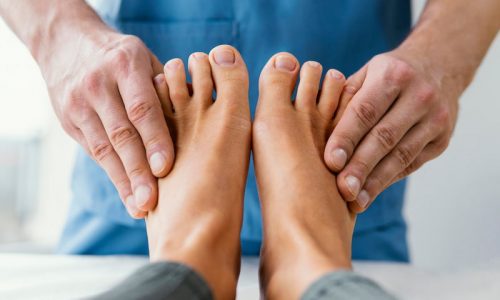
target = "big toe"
x: 278, y: 79
x: 230, y: 75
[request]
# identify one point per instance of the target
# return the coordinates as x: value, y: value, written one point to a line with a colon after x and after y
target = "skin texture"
x: 207, y: 188
x: 403, y: 104
x: 101, y: 87
x: 198, y: 217
x: 307, y: 225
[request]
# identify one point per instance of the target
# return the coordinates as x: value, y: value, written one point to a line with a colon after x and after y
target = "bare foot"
x: 307, y: 225
x: 198, y: 218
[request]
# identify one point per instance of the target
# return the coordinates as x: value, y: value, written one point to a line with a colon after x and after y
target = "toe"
x: 230, y: 75
x: 307, y: 92
x: 176, y: 81
x: 330, y: 93
x: 277, y: 80
x: 201, y: 74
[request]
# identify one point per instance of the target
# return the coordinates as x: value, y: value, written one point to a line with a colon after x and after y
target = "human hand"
x: 401, y: 115
x: 101, y: 88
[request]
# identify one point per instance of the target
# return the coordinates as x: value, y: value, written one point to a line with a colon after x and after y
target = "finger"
x: 133, y: 210
x: 351, y: 86
x: 378, y: 143
x: 156, y: 64
x: 431, y: 151
x: 128, y: 145
x: 367, y: 107
x: 144, y: 111
x: 161, y: 88
x: 102, y: 152
x: 400, y: 158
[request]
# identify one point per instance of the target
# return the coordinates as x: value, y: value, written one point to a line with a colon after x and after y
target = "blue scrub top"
x: 339, y: 34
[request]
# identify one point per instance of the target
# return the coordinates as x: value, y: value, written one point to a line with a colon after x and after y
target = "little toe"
x: 230, y: 75
x: 277, y: 80
x: 176, y: 81
x: 307, y: 92
x: 330, y: 93
x: 201, y: 74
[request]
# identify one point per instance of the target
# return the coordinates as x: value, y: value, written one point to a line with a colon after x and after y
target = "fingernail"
x: 285, y: 62
x: 363, y: 198
x: 336, y: 74
x: 159, y: 79
x: 142, y: 195
x: 157, y: 162
x: 224, y: 57
x: 173, y: 64
x: 131, y: 205
x: 339, y: 158
x: 353, y: 185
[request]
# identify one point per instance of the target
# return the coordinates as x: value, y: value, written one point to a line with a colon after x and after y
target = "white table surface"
x: 26, y: 276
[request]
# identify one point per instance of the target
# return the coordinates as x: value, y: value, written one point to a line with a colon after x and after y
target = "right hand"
x: 101, y: 87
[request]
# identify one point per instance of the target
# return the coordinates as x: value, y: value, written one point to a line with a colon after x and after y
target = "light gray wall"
x: 453, y: 203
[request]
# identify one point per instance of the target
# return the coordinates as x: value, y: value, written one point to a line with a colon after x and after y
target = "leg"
x: 198, y: 218
x: 307, y: 225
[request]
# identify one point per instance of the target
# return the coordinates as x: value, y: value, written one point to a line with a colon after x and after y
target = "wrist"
x: 67, y: 26
x: 435, y: 59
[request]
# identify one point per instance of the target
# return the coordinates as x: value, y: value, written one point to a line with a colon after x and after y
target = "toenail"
x: 157, y: 162
x: 363, y: 199
x: 142, y: 195
x: 173, y: 64
x: 224, y: 57
x: 353, y: 185
x: 339, y: 158
x: 285, y: 62
x: 198, y: 55
x: 313, y: 64
x: 336, y: 74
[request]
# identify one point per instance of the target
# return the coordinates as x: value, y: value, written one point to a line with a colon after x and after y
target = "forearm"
x: 452, y: 37
x: 44, y: 25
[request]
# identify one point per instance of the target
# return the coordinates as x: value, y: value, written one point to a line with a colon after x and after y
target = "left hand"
x: 401, y: 115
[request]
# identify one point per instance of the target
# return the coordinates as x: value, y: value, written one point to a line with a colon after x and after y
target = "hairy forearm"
x: 452, y: 37
x: 44, y: 25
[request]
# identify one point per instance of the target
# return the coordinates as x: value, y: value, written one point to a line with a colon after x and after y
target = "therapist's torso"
x: 341, y: 34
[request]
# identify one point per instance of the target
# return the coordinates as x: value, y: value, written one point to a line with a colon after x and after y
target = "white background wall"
x: 453, y: 203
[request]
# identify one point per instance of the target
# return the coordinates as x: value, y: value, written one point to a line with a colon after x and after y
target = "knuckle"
x: 139, y: 110
x: 443, y: 116
x: 93, y: 82
x: 74, y: 102
x: 386, y: 136
x: 360, y: 166
x: 398, y: 72
x: 120, y: 60
x: 375, y: 184
x: 122, y: 135
x: 101, y: 151
x: 137, y: 172
x: 366, y: 113
x: 404, y: 155
x: 347, y: 141
x: 426, y: 96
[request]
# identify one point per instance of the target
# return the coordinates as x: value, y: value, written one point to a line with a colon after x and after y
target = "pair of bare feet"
x: 307, y: 226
